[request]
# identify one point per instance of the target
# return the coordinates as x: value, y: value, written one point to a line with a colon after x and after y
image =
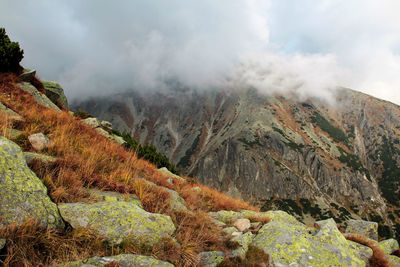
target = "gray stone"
x: 393, y: 260
x: 119, y: 221
x: 165, y: 171
x: 55, y: 93
x: 27, y: 75
x: 369, y: 229
x: 9, y: 113
x: 123, y: 260
x: 39, y: 97
x: 13, y: 133
x: 229, y: 230
x: 39, y: 141
x: 364, y: 252
x: 100, y: 196
x: 29, y: 156
x: 211, y: 258
x: 23, y: 195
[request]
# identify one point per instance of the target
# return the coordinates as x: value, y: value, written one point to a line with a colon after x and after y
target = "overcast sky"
x: 307, y: 46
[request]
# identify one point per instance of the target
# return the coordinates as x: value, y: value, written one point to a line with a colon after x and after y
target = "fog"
x: 306, y: 48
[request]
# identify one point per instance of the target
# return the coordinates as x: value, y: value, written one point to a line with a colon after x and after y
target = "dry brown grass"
x: 87, y: 159
x: 378, y: 258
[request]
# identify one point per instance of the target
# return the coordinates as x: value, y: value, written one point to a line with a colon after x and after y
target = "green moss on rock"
x: 123, y: 260
x: 23, y: 195
x: 119, y: 221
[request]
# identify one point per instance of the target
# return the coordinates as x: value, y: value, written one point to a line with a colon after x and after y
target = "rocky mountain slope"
x: 313, y: 159
x: 74, y: 194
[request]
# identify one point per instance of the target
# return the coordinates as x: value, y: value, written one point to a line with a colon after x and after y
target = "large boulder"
x: 119, y: 221
x: 55, y: 93
x: 23, y: 195
x: 123, y: 260
x: 39, y: 97
x: 288, y: 243
x: 369, y: 229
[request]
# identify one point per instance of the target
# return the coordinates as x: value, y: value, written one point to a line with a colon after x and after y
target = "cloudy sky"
x: 306, y: 46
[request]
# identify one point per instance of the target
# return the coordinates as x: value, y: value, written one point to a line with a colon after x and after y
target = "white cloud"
x: 307, y: 46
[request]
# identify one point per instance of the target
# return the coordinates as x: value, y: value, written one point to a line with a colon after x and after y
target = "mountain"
x: 315, y: 159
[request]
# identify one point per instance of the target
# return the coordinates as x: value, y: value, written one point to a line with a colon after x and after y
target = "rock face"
x: 119, y: 221
x: 55, y: 93
x: 23, y: 195
x: 123, y: 260
x: 309, y: 158
x: 39, y: 141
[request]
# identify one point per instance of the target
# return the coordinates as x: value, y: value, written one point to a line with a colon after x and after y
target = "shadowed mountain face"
x: 337, y: 160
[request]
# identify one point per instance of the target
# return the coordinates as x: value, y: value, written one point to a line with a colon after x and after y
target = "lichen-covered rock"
x: 119, y: 221
x: 39, y: 97
x: 39, y: 141
x: 13, y: 133
x: 22, y: 194
x: 226, y: 216
x: 294, y: 243
x: 229, y: 230
x: 211, y: 258
x: 389, y: 246
x: 393, y: 260
x: 100, y: 196
x: 244, y: 241
x: 369, y: 229
x: 242, y: 224
x: 123, y: 260
x: 165, y: 171
x: 29, y: 156
x: 27, y: 75
x: 177, y: 203
x: 364, y: 252
x: 55, y: 93
x: 2, y: 243
x: 92, y: 122
x: 100, y: 125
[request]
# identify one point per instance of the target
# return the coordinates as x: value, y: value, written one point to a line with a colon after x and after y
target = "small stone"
x: 39, y: 141
x: 29, y: 157
x: 211, y: 258
x: 27, y: 75
x: 2, y: 243
x: 242, y: 224
x: 230, y: 230
x: 235, y: 234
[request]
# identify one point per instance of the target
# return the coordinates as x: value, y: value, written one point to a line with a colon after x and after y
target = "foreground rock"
x: 55, y: 93
x: 293, y: 243
x: 119, y: 221
x: 123, y: 260
x: 23, y: 195
x: 369, y: 229
x: 389, y: 246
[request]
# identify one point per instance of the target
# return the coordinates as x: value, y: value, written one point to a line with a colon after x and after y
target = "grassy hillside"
x: 86, y: 159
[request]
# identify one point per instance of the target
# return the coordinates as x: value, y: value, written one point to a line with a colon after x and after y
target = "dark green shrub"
x: 10, y: 53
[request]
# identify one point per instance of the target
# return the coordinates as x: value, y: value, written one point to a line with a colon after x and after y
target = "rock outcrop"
x: 119, y: 221
x: 104, y: 128
x: 55, y: 93
x: 23, y: 196
x: 39, y: 97
x: 369, y: 229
